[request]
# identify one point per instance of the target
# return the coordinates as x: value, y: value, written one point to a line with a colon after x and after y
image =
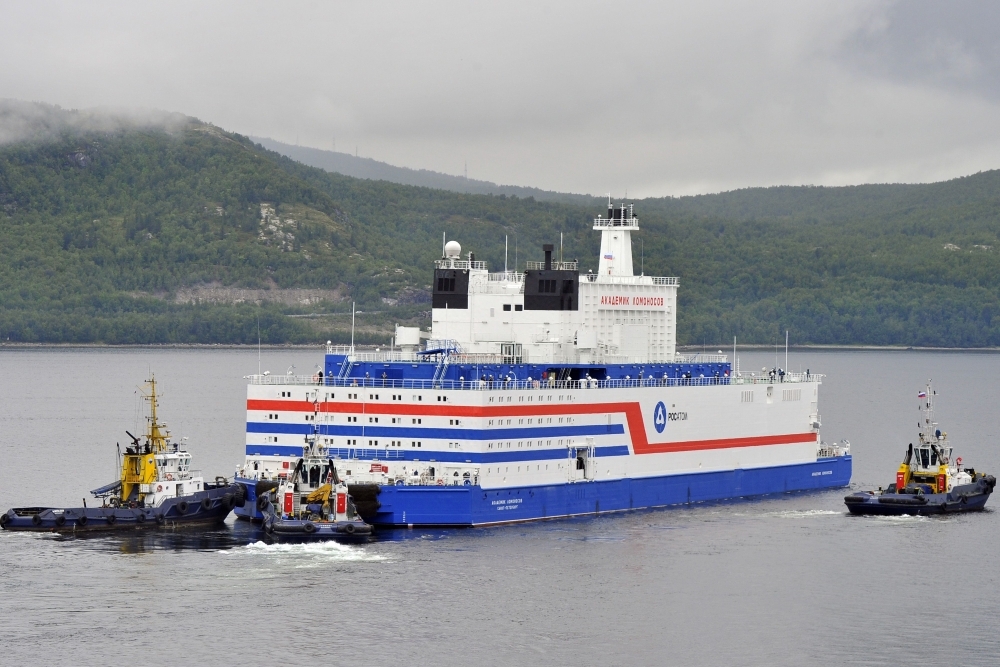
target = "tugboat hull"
x: 294, y: 530
x: 210, y: 506
x: 966, y: 498
x: 302, y: 529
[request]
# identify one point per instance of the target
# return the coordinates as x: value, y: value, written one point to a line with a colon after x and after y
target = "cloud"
x: 35, y: 121
x: 659, y: 98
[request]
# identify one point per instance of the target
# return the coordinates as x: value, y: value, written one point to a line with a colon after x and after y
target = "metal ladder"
x: 442, y: 367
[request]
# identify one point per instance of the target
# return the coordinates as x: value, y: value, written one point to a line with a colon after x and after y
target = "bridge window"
x: 506, y: 306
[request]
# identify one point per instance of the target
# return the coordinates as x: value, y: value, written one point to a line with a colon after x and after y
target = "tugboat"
x: 929, y: 480
x: 156, y: 488
x: 311, y: 510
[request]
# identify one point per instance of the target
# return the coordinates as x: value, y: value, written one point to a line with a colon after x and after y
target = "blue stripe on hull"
x: 472, y: 505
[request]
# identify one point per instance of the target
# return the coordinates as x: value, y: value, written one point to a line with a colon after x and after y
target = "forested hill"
x: 181, y: 232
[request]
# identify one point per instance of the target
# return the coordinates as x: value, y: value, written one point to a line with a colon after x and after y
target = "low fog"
x: 654, y: 98
x: 36, y: 121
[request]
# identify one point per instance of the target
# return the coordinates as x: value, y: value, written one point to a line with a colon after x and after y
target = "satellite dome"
x: 453, y: 249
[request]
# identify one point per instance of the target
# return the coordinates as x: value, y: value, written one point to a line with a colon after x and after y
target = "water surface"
x: 775, y: 581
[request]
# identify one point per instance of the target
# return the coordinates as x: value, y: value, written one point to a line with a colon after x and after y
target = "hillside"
x: 362, y: 167
x: 129, y: 232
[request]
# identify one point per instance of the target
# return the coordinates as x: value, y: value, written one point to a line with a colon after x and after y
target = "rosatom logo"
x: 660, y: 417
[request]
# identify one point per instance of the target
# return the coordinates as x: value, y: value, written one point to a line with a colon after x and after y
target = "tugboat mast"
x: 927, y: 431
x: 156, y: 440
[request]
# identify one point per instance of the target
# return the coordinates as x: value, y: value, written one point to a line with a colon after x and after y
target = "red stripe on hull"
x: 632, y: 412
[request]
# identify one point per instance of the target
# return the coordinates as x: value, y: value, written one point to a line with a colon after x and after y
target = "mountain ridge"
x: 146, y: 233
x: 371, y: 169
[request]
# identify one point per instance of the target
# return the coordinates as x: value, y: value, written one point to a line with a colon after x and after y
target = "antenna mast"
x: 352, y: 328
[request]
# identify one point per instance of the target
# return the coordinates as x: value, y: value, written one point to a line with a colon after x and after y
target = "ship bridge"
x: 551, y: 313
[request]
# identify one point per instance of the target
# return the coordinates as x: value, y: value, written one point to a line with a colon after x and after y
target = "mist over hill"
x: 158, y: 228
x: 362, y: 167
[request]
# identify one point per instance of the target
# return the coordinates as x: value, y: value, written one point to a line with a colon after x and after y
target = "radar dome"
x: 453, y: 249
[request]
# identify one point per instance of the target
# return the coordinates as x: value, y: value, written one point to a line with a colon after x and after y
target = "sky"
x: 650, y: 98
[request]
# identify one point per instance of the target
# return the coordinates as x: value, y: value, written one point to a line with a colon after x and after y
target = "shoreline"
x: 706, y: 349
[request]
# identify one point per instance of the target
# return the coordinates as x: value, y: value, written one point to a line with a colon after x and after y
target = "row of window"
x: 538, y: 384
x: 541, y: 420
x: 371, y: 443
x: 352, y: 419
x: 521, y: 444
x: 371, y: 397
x: 538, y: 468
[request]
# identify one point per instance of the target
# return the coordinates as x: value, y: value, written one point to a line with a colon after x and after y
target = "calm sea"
x: 783, y: 580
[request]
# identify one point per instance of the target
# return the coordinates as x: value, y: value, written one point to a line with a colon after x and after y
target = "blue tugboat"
x: 156, y: 488
x: 929, y: 480
x: 311, y: 510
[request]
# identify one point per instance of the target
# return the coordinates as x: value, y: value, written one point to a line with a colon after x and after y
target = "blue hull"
x: 475, y: 506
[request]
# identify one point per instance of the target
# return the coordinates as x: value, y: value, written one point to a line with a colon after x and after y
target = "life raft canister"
x: 288, y: 503
x: 341, y: 503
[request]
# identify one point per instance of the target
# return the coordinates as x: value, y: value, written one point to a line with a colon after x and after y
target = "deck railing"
x: 630, y: 280
x: 449, y: 263
x: 555, y: 266
x: 513, y: 383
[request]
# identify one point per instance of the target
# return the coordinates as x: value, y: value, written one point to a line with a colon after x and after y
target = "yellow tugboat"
x: 156, y: 487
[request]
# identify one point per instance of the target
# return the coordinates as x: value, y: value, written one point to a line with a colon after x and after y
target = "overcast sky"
x: 659, y: 98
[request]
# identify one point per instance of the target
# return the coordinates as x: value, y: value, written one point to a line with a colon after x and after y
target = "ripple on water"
x: 802, y: 514
x: 321, y: 552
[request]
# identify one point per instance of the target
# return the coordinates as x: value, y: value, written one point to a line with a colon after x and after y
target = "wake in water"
x: 325, y: 551
x: 802, y: 514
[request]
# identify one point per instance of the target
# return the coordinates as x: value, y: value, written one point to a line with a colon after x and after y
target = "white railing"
x: 825, y: 451
x: 507, y: 384
x: 765, y: 378
x: 506, y: 277
x: 628, y: 223
x: 459, y: 264
x: 555, y: 266
x: 630, y: 280
x: 701, y: 359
